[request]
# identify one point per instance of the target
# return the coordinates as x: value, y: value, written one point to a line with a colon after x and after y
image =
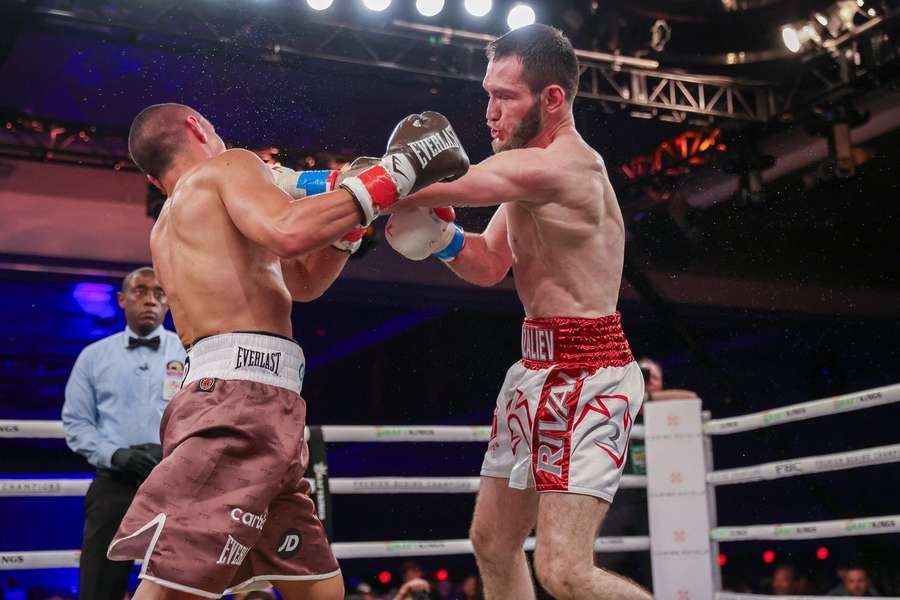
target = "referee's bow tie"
x: 152, y: 343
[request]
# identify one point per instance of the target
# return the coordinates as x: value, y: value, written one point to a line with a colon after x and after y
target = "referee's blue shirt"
x: 115, y: 397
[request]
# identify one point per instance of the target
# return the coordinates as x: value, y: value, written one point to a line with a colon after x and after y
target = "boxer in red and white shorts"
x: 565, y: 411
x: 228, y: 508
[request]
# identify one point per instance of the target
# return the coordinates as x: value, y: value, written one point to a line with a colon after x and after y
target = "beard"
x: 524, y: 132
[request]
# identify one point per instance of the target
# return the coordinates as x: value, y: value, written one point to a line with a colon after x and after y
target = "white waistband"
x: 248, y: 357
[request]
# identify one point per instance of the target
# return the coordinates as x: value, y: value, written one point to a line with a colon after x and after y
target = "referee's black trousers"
x: 105, y: 505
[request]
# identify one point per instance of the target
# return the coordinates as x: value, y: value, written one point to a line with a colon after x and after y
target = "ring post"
x: 680, y: 550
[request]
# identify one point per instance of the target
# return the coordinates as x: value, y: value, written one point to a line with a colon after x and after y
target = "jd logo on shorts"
x: 289, y: 543
x: 260, y: 359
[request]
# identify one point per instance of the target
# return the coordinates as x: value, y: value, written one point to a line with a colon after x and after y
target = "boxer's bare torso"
x: 558, y: 226
x: 568, y: 242
x: 216, y: 277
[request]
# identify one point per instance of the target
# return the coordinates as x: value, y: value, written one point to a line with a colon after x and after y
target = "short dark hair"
x: 547, y: 57
x: 129, y: 279
x: 157, y: 135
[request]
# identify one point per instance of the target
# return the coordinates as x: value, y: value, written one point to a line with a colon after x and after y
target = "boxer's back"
x: 568, y: 249
x: 216, y: 279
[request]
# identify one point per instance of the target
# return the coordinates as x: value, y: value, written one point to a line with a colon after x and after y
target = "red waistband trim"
x: 571, y: 342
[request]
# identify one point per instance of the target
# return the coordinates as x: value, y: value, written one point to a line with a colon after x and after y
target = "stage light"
x: 376, y: 5
x: 520, y: 15
x: 768, y: 557
x: 723, y: 560
x: 385, y: 577
x: 442, y: 575
x: 319, y: 4
x: 478, y: 8
x: 822, y: 553
x: 791, y: 38
x: 429, y: 8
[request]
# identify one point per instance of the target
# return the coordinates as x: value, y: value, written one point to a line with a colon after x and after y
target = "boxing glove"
x: 423, y: 149
x: 418, y: 233
x: 353, y: 239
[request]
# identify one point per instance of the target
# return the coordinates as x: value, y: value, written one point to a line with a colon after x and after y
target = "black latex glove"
x: 133, y: 461
x: 154, y: 450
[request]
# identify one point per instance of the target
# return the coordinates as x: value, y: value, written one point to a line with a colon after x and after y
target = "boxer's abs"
x: 568, y: 254
x: 216, y: 279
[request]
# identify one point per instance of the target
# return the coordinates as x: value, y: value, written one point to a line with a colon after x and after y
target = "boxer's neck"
x: 552, y: 130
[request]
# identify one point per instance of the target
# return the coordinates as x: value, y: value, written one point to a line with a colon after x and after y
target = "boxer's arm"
x: 266, y: 215
x: 485, y: 258
x: 309, y: 276
x: 511, y: 176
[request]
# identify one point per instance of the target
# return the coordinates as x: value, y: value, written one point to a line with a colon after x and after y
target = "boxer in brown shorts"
x: 227, y: 509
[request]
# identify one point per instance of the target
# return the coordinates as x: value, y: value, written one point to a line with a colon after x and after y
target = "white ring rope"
x: 804, y: 466
x: 805, y: 410
x: 331, y: 433
x: 342, y: 550
x: 337, y: 485
x: 733, y: 596
x: 808, y: 531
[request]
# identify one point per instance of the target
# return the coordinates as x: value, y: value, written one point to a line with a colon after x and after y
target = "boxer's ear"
x: 157, y: 184
x: 553, y: 97
x: 195, y: 128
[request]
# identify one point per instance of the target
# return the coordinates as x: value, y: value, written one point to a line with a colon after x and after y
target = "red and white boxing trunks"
x: 565, y: 411
x: 228, y: 509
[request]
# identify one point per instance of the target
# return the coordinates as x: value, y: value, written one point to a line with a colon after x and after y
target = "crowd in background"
x: 851, y: 580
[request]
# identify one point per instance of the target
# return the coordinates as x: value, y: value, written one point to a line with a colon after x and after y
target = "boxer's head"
x: 143, y: 301
x: 531, y: 81
x: 162, y: 135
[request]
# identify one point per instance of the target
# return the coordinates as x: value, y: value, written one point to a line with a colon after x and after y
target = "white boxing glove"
x: 418, y: 233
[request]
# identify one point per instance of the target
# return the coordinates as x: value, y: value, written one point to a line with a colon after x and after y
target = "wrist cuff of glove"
x: 316, y: 182
x: 374, y: 190
x: 347, y: 245
x: 455, y: 246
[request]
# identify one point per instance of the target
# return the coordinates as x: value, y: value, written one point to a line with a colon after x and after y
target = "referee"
x: 115, y: 398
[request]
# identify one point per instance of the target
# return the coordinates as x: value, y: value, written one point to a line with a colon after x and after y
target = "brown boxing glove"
x: 423, y: 149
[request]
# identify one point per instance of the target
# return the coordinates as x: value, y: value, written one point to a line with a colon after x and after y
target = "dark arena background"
x: 754, y: 148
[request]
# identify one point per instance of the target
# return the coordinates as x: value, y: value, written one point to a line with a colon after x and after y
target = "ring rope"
x: 805, y: 410
x: 824, y: 463
x: 51, y: 559
x: 808, y: 531
x: 331, y: 433
x: 35, y: 488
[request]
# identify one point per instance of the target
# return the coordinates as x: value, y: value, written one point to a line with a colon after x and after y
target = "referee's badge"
x: 172, y: 381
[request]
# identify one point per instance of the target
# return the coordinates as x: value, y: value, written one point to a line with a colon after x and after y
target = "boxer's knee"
x: 494, y: 546
x: 559, y: 571
x: 561, y: 580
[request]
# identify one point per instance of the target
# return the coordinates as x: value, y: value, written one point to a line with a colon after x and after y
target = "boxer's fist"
x: 423, y: 149
x: 429, y: 145
x: 353, y: 239
x: 418, y: 233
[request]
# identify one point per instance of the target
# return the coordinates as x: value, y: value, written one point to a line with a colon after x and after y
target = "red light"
x: 723, y: 560
x: 768, y: 557
x: 442, y: 575
x: 822, y: 553
x: 385, y: 577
